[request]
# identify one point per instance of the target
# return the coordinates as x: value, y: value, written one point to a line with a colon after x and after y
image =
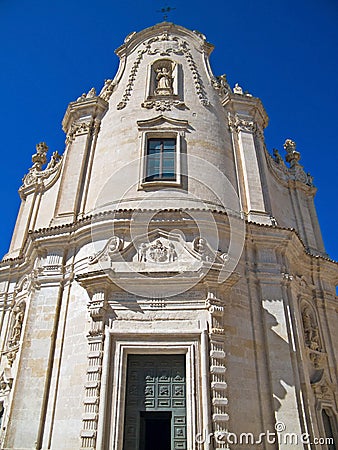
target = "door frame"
x: 113, y: 392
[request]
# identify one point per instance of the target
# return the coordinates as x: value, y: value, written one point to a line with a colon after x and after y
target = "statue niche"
x: 311, y: 332
x: 18, y: 316
x: 163, y: 77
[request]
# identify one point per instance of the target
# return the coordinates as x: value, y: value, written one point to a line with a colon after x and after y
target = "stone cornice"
x: 136, y: 38
x: 69, y: 232
x: 94, y: 107
x: 243, y: 106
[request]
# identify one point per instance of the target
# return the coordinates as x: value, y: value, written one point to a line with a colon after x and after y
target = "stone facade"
x: 168, y: 259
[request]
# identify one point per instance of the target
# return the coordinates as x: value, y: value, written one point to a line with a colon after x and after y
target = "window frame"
x: 161, y: 127
x: 162, y: 151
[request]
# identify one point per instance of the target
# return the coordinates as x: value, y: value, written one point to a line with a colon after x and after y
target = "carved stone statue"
x: 237, y: 89
x: 164, y: 81
x: 142, y: 252
x: 311, y: 333
x: 277, y: 156
x: 40, y: 158
x: 172, y: 255
x: 91, y: 93
x: 17, y: 325
x: 55, y: 158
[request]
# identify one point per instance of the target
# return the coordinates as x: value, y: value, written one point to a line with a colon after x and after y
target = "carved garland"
x: 178, y: 48
x: 163, y: 105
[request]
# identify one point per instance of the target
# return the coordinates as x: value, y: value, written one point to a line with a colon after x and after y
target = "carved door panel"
x: 155, y: 400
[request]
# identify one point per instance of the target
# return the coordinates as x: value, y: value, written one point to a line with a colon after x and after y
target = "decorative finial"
x: 165, y: 11
x: 39, y: 158
x: 292, y: 156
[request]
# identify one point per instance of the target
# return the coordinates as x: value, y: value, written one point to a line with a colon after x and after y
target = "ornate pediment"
x: 158, y: 251
x: 162, y: 123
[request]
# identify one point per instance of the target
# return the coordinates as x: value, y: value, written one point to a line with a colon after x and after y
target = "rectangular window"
x: 161, y: 156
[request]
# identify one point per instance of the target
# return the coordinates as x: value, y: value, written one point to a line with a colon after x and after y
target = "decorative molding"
x: 97, y: 307
x: 221, y: 85
x: 107, y: 90
x: 218, y: 385
x: 80, y: 128
x: 163, y: 122
x: 165, y: 45
x: 163, y: 104
x: 237, y: 124
x: 113, y: 246
x: 157, y: 248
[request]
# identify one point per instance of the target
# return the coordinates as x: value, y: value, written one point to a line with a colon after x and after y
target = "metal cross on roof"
x: 165, y: 11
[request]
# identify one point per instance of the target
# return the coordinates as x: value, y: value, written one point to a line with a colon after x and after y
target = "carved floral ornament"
x: 295, y: 172
x: 37, y: 175
x: 163, y: 45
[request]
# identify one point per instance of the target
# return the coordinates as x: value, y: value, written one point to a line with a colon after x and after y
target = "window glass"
x: 161, y: 159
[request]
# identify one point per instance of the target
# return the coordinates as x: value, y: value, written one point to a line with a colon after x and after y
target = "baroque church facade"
x: 167, y: 285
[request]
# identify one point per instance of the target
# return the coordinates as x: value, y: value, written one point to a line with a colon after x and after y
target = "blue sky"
x: 283, y: 51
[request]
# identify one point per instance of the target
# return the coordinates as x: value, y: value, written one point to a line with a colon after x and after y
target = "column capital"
x: 246, y: 108
x: 83, y: 110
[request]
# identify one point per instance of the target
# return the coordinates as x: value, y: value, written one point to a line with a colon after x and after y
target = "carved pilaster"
x: 218, y: 383
x: 97, y: 311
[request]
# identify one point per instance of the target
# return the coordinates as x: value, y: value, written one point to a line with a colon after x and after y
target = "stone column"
x: 247, y: 119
